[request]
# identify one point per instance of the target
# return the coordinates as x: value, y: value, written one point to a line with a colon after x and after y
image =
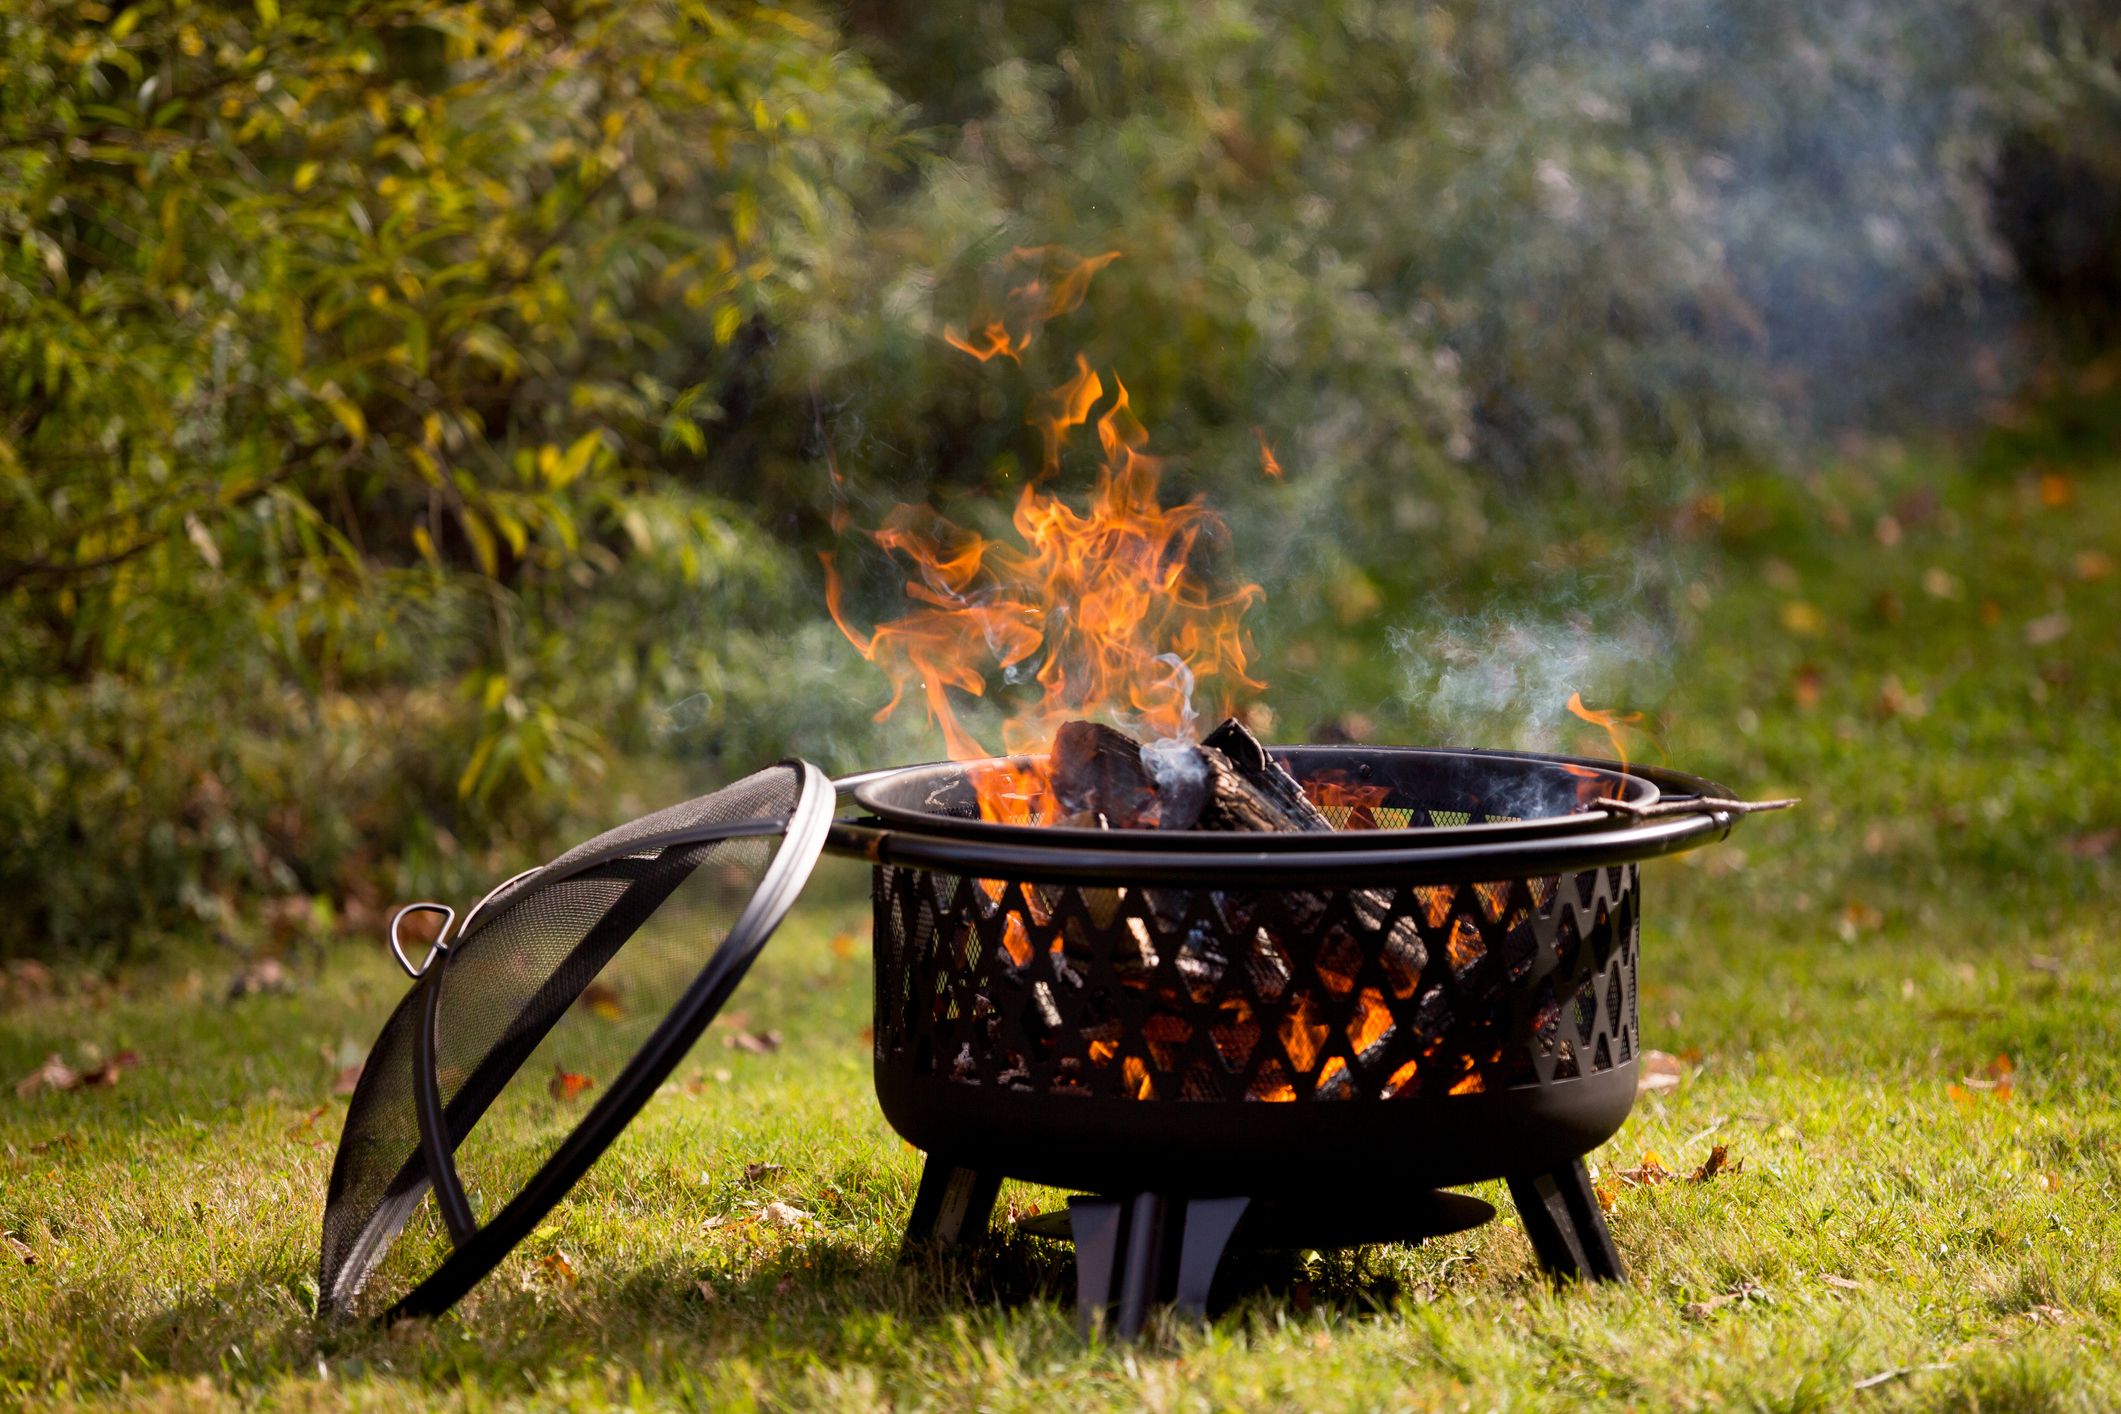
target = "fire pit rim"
x: 1446, y: 855
x: 879, y: 793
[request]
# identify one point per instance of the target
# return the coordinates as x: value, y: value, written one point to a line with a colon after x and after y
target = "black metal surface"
x: 1193, y: 1040
x: 690, y: 894
x: 1431, y: 796
x: 1566, y: 1228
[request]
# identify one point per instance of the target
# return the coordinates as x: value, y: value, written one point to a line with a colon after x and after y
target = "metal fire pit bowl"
x: 1335, y: 1020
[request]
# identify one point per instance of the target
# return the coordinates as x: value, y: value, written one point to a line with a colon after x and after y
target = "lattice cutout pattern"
x: 1266, y: 995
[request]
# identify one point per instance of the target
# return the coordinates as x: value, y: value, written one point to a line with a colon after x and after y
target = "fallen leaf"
x: 2056, y: 490
x: 1745, y: 1293
x: 757, y: 1043
x: 711, y: 1223
x: 779, y: 1214
x: 1660, y: 1072
x: 1650, y: 1171
x: 1806, y: 686
x: 1717, y: 1162
x: 566, y: 1085
x: 2044, y: 1314
x: 1840, y: 1283
x: 844, y: 944
x: 754, y: 1172
x: 108, y: 1072
x: 2093, y: 565
x: 1940, y: 583
x: 19, y: 1249
x: 265, y: 975
x: 2049, y: 1183
x: 1958, y: 1094
x: 2095, y: 845
x: 1608, y: 1197
x: 601, y: 999
x: 2046, y: 629
x: 51, y: 1073
x: 349, y: 1079
x: 1802, y: 618
x: 867, y: 1035
x: 704, y: 1291
x: 67, y: 1143
x: 556, y: 1266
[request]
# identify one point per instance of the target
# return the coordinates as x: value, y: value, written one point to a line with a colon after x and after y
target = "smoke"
x: 1493, y: 680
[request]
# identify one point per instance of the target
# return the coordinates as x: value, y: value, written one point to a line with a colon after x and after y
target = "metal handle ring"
x: 441, y: 942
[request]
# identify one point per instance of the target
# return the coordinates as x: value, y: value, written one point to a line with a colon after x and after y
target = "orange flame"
x: 1613, y: 723
x: 1269, y: 464
x: 1060, y: 284
x: 1110, y: 602
x: 996, y: 342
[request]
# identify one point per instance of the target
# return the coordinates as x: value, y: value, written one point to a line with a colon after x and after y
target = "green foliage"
x: 358, y: 360
x: 408, y: 407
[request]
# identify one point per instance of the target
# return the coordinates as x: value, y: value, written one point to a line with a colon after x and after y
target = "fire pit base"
x: 1145, y: 1249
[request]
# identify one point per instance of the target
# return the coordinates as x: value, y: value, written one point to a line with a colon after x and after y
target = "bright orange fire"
x: 1107, y: 608
x: 1612, y: 722
x: 1059, y: 280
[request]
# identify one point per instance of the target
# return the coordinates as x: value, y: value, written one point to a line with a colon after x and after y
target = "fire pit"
x: 1193, y: 1026
x: 1219, y: 992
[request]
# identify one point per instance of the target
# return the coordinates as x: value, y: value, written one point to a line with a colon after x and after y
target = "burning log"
x: 1104, y: 778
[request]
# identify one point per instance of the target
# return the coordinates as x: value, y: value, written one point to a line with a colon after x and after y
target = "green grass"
x: 1940, y: 900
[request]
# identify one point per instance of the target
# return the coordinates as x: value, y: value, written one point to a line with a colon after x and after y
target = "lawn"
x: 1895, y: 1009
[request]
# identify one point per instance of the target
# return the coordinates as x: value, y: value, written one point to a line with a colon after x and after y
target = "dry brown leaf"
x: 757, y: 1043
x: 1807, y: 685
x: 2048, y: 628
x: 1647, y: 1173
x: 263, y: 976
x: 1717, y: 1162
x: 779, y: 1214
x: 21, y: 1251
x: 754, y: 1172
x: 1840, y: 1283
x: 349, y: 1079
x: 1658, y: 1074
x: 2056, y: 490
x: 108, y: 1072
x: 2093, y: 565
x: 705, y: 1291
x: 556, y: 1267
x: 1745, y: 1293
x: 566, y: 1085
x: 51, y: 1073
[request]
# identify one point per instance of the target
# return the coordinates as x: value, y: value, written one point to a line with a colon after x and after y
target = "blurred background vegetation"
x: 416, y: 417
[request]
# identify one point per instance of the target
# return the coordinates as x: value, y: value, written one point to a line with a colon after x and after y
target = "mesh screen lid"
x: 540, y: 1028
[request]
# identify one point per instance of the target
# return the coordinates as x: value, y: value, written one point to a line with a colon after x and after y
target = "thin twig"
x: 1897, y: 1372
x: 1693, y: 805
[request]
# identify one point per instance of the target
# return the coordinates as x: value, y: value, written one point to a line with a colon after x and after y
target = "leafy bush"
x: 361, y: 361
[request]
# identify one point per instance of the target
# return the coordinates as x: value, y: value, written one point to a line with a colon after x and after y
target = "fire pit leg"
x: 951, y: 1206
x: 1133, y: 1253
x: 1568, y: 1233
